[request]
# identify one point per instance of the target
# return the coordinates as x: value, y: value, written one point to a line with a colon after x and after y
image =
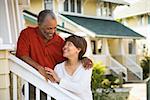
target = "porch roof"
x: 103, y: 27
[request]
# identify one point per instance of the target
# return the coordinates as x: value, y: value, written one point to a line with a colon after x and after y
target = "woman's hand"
x: 52, y: 73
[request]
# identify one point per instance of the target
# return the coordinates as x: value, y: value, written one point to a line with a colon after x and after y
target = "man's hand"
x: 42, y: 71
x: 87, y: 63
x: 53, y: 75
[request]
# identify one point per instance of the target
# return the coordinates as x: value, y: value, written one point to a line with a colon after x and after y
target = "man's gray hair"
x: 42, y: 15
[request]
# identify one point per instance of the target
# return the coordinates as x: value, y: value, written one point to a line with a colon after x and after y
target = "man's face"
x: 48, y: 27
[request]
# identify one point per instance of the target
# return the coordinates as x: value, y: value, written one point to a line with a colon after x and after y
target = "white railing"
x: 117, y: 67
x: 134, y: 67
x: 101, y: 58
x: 132, y: 57
x: 113, y: 64
x: 30, y: 75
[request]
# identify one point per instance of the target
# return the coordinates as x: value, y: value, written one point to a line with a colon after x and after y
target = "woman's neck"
x: 71, y: 65
x: 72, y: 62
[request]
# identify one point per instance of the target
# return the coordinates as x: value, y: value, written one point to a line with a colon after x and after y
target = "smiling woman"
x: 70, y: 74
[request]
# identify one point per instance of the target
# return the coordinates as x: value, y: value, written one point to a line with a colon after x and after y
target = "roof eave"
x: 121, y: 37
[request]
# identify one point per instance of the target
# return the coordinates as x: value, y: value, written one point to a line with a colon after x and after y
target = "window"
x: 66, y: 6
x: 93, y: 44
x: 148, y: 19
x: 141, y: 20
x: 104, y: 9
x: 48, y: 4
x: 78, y: 6
x: 72, y: 6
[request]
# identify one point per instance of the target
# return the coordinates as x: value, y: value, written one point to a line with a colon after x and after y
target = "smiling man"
x: 41, y: 46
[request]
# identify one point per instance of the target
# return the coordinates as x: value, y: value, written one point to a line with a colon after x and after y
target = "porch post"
x: 105, y: 48
x: 121, y: 47
x: 134, y: 47
x: 4, y: 72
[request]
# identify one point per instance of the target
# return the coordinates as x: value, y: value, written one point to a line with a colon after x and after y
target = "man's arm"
x: 38, y: 67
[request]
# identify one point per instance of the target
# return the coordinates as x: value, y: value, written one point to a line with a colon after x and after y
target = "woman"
x: 70, y: 74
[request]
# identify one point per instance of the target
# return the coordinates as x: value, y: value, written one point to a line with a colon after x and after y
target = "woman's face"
x: 69, y: 50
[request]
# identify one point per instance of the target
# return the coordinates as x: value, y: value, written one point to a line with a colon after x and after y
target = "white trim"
x: 69, y: 6
x: 90, y: 33
x: 8, y: 22
x: 75, y: 6
x: 124, y: 37
x: 30, y: 16
x: 6, y: 47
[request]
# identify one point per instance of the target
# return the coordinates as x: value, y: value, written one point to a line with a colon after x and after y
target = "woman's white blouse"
x: 79, y: 83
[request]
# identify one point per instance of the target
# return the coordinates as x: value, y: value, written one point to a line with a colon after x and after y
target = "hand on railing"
x: 53, y: 76
x: 42, y: 71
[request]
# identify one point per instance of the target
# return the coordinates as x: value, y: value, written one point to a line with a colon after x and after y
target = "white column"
x: 5, y: 31
x: 105, y: 48
x: 134, y: 47
x: 60, y: 5
x: 89, y: 49
x: 121, y: 47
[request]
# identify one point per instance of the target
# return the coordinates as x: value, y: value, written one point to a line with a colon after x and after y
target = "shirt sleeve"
x: 23, y: 44
x: 77, y: 86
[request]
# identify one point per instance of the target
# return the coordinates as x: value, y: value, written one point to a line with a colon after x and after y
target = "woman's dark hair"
x: 79, y: 42
x: 42, y: 15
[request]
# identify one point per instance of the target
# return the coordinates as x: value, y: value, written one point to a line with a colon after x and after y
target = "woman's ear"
x: 79, y: 49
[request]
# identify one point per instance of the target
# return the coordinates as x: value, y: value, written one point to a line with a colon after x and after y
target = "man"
x: 40, y: 46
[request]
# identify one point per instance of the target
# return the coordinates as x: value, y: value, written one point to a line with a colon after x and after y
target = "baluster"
x: 48, y: 97
x: 26, y: 91
x: 37, y: 94
x: 14, y: 87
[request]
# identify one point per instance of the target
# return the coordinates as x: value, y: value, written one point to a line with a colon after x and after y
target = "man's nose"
x: 53, y: 31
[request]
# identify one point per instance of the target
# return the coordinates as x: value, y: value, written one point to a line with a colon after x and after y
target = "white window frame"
x: 101, y: 9
x: 69, y: 7
x: 52, y: 2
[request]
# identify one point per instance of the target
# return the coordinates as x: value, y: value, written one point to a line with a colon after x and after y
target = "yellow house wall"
x: 89, y: 7
x: 113, y: 46
x: 55, y: 6
x: 135, y: 21
x: 36, y: 6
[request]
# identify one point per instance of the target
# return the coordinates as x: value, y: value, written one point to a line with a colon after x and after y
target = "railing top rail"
x: 20, y: 65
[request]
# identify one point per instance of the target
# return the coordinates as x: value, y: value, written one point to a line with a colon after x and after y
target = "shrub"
x: 145, y: 64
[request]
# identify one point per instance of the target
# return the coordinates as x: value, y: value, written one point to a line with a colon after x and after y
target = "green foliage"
x: 103, y: 82
x: 145, y: 64
x: 97, y: 75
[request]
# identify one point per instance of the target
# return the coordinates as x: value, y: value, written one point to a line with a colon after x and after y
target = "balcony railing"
x: 134, y: 67
x: 30, y: 75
